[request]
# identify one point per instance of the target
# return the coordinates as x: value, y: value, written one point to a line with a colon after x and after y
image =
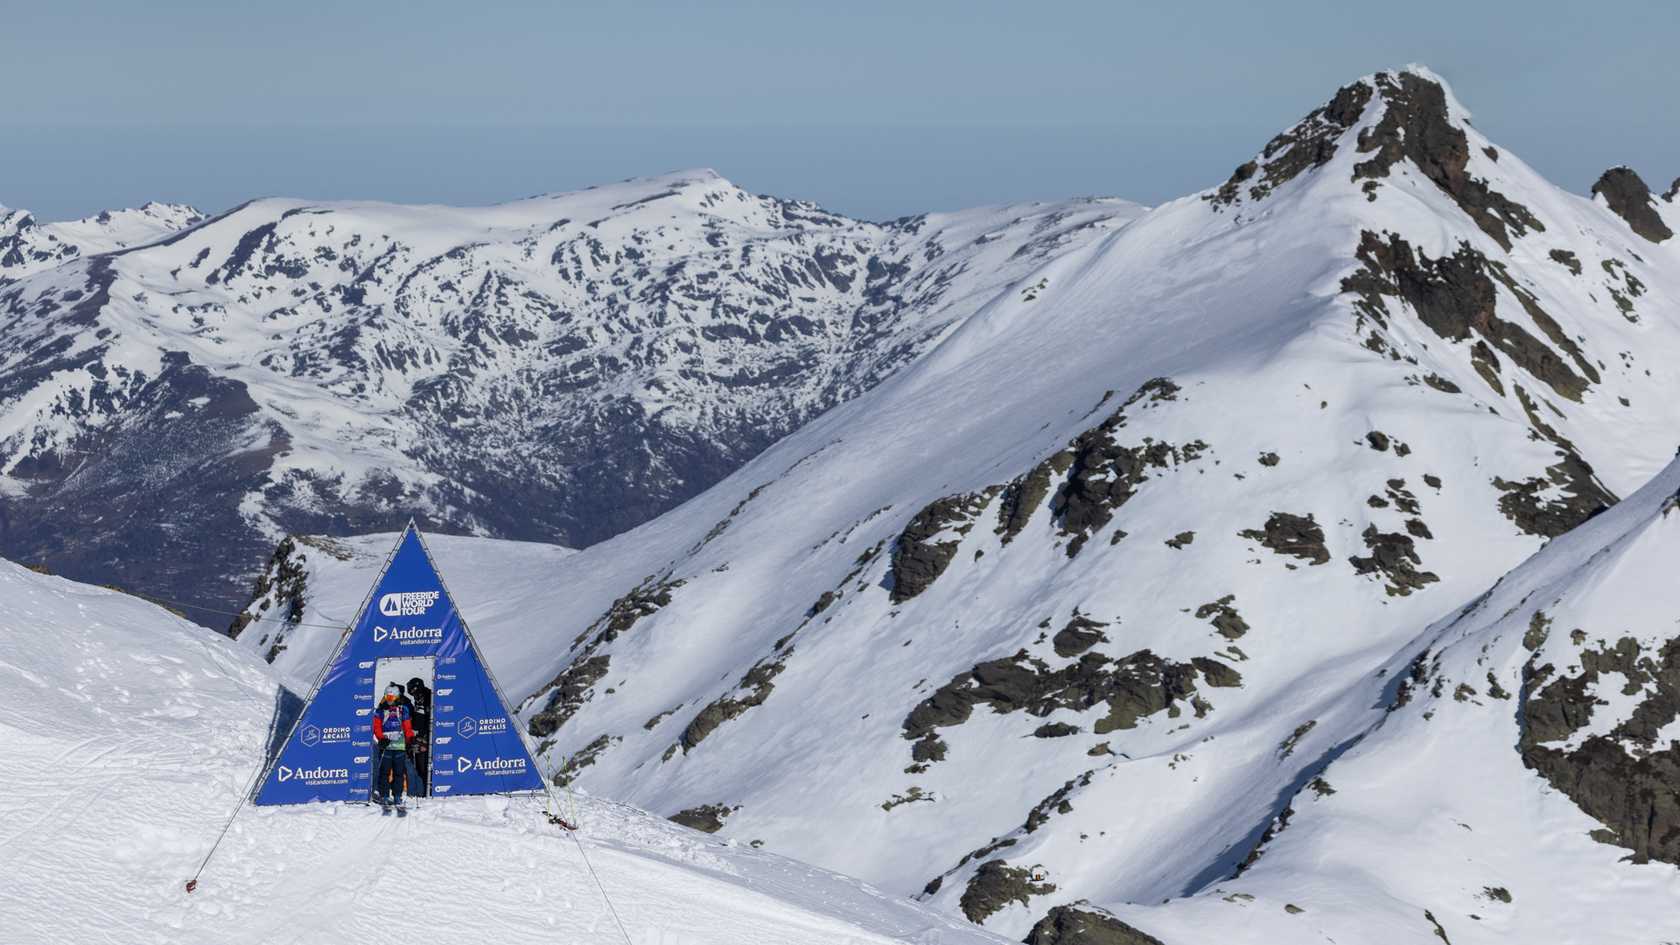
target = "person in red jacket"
x: 392, y: 731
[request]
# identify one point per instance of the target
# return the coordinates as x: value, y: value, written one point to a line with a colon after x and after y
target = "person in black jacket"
x: 421, y: 752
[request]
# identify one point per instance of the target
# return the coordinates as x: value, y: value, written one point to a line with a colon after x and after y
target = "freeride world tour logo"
x: 408, y: 603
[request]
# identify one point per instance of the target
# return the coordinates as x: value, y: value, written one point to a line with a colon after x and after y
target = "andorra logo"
x: 407, y: 603
x: 407, y: 634
x: 284, y: 774
x: 310, y: 736
x: 489, y: 765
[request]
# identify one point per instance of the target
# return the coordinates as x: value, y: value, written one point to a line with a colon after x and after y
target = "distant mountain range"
x: 177, y: 394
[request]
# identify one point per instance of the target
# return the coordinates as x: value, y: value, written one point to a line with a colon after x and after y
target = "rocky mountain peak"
x: 1385, y: 119
x: 1625, y: 193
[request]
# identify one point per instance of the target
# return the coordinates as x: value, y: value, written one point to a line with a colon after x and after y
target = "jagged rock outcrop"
x: 1624, y: 777
x: 1068, y: 925
x: 1627, y: 196
x: 1416, y: 126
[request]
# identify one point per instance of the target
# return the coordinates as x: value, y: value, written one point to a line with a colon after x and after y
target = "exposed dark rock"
x: 1625, y: 779
x: 1625, y: 294
x: 707, y: 818
x: 1218, y: 675
x: 1395, y: 557
x: 284, y: 583
x: 911, y: 796
x: 1310, y: 143
x: 1402, y: 497
x: 1415, y: 126
x: 1181, y: 540
x: 1440, y: 383
x: 1055, y: 730
x: 928, y: 748
x: 1440, y: 931
x: 584, y: 758
x: 1628, y: 197
x: 1226, y: 620
x: 1103, y: 475
x: 1278, y: 825
x: 1293, y: 535
x: 644, y: 600
x: 724, y: 523
x: 822, y: 604
x: 1539, y: 628
x: 1497, y: 892
x: 1456, y: 297
x: 1378, y: 440
x: 1287, y: 747
x: 1023, y: 496
x: 1268, y: 459
x: 1067, y: 925
x: 1056, y: 803
x: 995, y: 885
x: 1567, y: 259
x: 1526, y: 504
x: 929, y: 542
x: 1132, y: 688
x: 567, y: 693
x: 1080, y: 634
x: 1486, y: 364
x: 755, y: 687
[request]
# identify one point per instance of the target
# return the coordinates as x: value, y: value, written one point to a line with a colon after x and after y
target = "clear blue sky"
x: 873, y: 109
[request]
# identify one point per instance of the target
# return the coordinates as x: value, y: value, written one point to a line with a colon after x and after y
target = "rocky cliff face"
x: 561, y: 368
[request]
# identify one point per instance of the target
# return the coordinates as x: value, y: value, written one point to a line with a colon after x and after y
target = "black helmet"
x: 416, y: 684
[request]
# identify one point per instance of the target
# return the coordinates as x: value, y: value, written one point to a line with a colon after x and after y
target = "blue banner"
x: 475, y: 744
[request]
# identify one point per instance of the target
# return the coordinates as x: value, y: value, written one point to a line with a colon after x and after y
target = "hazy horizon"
x: 872, y: 110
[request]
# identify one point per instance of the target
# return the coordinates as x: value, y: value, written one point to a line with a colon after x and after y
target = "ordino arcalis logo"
x: 407, y: 603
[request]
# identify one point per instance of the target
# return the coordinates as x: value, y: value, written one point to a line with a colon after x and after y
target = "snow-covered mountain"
x: 560, y: 368
x: 1521, y: 784
x: 1067, y: 613
x: 28, y: 246
x: 129, y: 733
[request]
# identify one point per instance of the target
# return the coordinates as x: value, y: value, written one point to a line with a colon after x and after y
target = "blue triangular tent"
x: 477, y: 747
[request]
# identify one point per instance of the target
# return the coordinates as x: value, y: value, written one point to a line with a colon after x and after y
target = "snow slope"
x: 1070, y: 608
x: 1445, y: 785
x: 559, y: 368
x: 128, y: 734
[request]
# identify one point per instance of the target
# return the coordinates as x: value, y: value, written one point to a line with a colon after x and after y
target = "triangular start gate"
x: 408, y: 619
